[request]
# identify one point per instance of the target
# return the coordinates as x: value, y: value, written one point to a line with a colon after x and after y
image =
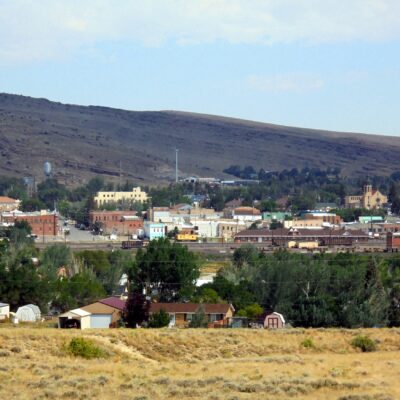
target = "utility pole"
x: 176, y: 165
x: 120, y: 175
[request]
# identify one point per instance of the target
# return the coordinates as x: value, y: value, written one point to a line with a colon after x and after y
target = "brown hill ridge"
x: 83, y: 141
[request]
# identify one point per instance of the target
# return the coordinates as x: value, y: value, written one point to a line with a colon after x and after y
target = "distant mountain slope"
x: 83, y: 141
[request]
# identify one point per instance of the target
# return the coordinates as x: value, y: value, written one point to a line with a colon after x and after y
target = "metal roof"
x: 114, y: 302
x: 76, y: 311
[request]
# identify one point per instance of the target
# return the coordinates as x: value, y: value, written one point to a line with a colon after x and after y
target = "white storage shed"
x: 77, y: 318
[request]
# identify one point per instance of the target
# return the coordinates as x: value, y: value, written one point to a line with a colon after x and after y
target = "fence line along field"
x: 45, y: 363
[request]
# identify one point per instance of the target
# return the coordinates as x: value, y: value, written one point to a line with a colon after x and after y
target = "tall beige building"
x: 370, y: 199
x: 136, y: 195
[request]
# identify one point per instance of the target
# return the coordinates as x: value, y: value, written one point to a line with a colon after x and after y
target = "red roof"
x: 295, y: 233
x: 5, y: 199
x: 114, y: 302
x: 247, y: 211
x: 182, y: 308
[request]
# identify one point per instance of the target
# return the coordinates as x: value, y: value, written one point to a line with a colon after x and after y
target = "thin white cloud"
x: 46, y: 29
x: 293, y: 82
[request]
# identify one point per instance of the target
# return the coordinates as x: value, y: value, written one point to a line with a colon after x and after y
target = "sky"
x: 326, y: 64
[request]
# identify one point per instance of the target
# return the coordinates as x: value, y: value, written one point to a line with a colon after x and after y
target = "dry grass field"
x: 200, y: 364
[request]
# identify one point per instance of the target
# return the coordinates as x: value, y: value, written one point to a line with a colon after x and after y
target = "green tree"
x: 159, y: 319
x: 33, y: 204
x: 207, y: 295
x: 252, y: 311
x: 136, y: 309
x: 199, y: 319
x: 168, y: 268
x: 53, y: 257
x: 267, y: 205
x: 81, y: 289
x: 51, y: 191
x: 20, y: 282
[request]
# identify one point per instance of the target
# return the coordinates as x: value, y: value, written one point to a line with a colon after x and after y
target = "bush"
x: 308, y: 343
x: 364, y: 343
x: 80, y: 347
x: 159, y: 319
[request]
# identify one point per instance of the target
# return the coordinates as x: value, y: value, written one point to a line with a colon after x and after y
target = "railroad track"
x: 221, y: 247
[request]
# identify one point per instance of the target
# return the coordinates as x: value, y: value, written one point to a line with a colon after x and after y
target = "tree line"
x: 342, y: 290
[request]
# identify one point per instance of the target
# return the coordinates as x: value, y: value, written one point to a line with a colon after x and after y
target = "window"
x: 188, y: 316
x: 215, y: 317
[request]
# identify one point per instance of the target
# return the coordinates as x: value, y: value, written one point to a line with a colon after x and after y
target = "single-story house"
x: 273, y: 320
x: 182, y: 313
x: 106, y: 312
x: 77, y: 318
x: 4, y: 311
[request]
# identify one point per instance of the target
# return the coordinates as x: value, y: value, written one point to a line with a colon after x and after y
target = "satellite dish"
x: 47, y: 168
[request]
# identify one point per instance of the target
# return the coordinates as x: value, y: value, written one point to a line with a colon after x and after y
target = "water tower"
x: 47, y: 169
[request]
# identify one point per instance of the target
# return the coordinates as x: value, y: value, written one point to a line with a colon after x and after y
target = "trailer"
x: 186, y: 237
x: 133, y: 244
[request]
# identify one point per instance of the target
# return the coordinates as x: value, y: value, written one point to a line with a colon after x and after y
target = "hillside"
x: 200, y: 364
x: 83, y: 141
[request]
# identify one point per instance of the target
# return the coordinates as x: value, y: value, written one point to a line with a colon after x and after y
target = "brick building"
x: 393, y: 241
x: 118, y: 222
x: 281, y: 237
x: 43, y: 223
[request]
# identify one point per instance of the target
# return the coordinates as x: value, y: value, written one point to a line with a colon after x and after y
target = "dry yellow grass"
x: 200, y: 364
x: 212, y: 267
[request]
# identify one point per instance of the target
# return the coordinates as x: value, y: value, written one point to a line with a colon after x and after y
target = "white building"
x: 154, y: 230
x: 136, y: 195
x: 4, y: 311
x: 76, y: 318
x: 248, y: 214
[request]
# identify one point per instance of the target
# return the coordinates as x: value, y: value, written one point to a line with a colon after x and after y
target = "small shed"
x: 274, y: 320
x: 28, y: 313
x: 4, y: 311
x: 77, y: 318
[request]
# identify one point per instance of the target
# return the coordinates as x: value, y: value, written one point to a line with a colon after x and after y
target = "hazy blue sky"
x: 332, y: 64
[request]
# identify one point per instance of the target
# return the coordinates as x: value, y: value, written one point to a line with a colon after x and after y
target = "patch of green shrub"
x: 159, y: 319
x: 308, y: 343
x: 364, y: 343
x: 85, y: 348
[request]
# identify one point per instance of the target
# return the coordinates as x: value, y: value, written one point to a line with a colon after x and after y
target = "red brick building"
x: 393, y: 241
x: 118, y: 222
x: 43, y: 223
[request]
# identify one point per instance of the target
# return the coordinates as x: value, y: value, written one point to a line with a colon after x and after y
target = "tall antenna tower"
x: 120, y: 175
x: 176, y: 165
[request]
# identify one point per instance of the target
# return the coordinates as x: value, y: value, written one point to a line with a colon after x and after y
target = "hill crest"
x: 83, y: 141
